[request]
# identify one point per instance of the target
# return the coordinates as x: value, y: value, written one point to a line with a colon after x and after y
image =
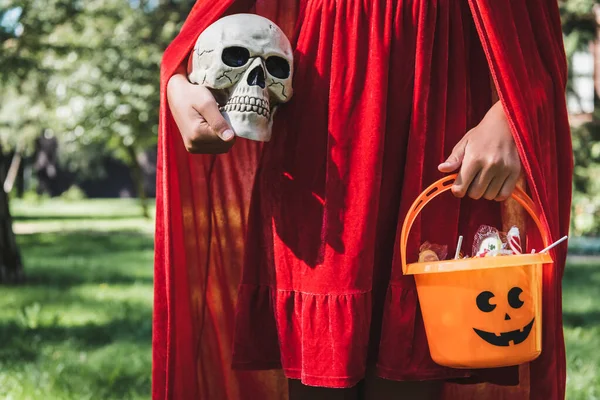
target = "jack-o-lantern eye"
x: 513, y: 297
x: 483, y: 301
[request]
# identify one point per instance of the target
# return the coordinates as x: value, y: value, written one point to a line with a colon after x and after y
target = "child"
x: 389, y: 96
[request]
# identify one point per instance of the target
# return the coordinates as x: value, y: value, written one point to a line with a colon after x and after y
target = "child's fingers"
x: 209, y: 109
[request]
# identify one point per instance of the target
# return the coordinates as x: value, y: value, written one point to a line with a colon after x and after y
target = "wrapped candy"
x: 432, y: 252
x: 513, y: 239
x: 487, y: 242
x: 428, y: 256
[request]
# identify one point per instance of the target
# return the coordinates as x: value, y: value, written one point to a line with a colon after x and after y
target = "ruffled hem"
x: 321, y: 339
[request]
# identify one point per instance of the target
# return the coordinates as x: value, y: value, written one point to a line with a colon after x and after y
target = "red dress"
x: 383, y: 91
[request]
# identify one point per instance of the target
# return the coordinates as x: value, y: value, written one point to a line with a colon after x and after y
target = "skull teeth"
x: 247, y: 104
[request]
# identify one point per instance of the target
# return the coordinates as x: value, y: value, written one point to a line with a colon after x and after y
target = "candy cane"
x: 514, y: 240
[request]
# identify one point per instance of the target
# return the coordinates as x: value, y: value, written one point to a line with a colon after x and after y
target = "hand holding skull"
x: 239, y: 72
x: 246, y: 61
x: 197, y: 115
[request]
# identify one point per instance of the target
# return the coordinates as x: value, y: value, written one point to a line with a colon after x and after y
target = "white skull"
x: 247, y: 61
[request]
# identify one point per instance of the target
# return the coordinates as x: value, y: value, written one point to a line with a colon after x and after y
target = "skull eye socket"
x: 513, y: 297
x: 278, y: 67
x: 483, y: 302
x: 235, y: 56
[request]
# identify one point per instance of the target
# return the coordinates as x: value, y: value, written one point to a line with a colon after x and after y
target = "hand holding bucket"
x: 479, y: 312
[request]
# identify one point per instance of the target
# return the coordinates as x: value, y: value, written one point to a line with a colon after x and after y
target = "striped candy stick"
x: 514, y: 240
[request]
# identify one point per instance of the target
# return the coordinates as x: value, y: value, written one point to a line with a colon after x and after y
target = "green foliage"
x: 74, y: 193
x: 579, y: 28
x: 88, y: 70
x: 578, y: 24
x: 586, y: 195
x: 578, y: 19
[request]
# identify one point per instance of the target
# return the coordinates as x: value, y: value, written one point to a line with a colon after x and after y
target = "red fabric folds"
x: 538, y: 117
x: 315, y: 334
x: 283, y: 256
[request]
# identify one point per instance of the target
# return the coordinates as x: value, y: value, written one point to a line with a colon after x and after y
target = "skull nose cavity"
x: 506, y: 317
x: 257, y: 77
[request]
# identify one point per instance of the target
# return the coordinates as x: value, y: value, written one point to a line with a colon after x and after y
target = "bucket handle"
x: 445, y: 184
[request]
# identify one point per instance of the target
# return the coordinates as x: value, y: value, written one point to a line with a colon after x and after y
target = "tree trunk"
x: 11, y: 267
x: 137, y: 176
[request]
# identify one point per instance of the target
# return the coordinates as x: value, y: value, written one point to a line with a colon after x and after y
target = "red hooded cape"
x: 203, y: 203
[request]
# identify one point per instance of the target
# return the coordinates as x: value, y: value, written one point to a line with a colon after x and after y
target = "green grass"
x: 80, y: 327
x: 581, y: 313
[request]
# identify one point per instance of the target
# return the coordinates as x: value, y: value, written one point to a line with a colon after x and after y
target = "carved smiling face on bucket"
x: 247, y: 61
x: 504, y: 333
x: 483, y: 318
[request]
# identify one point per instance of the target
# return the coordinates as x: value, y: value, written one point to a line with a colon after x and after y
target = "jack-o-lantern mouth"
x: 504, y: 339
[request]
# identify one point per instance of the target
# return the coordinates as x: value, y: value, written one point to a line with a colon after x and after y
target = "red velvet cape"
x: 202, y: 206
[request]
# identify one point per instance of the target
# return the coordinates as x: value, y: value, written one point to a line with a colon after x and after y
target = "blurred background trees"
x: 79, y: 82
x: 581, y: 28
x: 87, y: 73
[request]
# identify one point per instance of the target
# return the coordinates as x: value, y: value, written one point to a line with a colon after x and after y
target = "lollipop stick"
x: 458, y: 246
x: 559, y: 241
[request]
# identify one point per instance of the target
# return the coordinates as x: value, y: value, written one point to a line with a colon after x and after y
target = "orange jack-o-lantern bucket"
x: 479, y: 312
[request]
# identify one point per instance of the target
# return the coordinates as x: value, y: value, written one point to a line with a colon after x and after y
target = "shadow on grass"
x: 115, y: 363
x: 82, y: 317
x: 580, y: 283
x: 61, y: 279
x: 21, y: 343
x: 586, y: 319
x: 84, y: 243
x: 582, y: 272
x: 63, y: 260
x: 56, y: 262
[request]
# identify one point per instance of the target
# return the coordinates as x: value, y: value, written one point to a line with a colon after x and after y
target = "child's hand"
x: 488, y: 159
x: 196, y: 112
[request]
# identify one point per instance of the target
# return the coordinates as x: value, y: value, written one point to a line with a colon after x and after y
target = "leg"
x: 376, y: 388
x: 298, y: 391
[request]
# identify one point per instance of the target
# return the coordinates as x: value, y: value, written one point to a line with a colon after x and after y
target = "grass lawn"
x: 581, y: 314
x: 80, y: 327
